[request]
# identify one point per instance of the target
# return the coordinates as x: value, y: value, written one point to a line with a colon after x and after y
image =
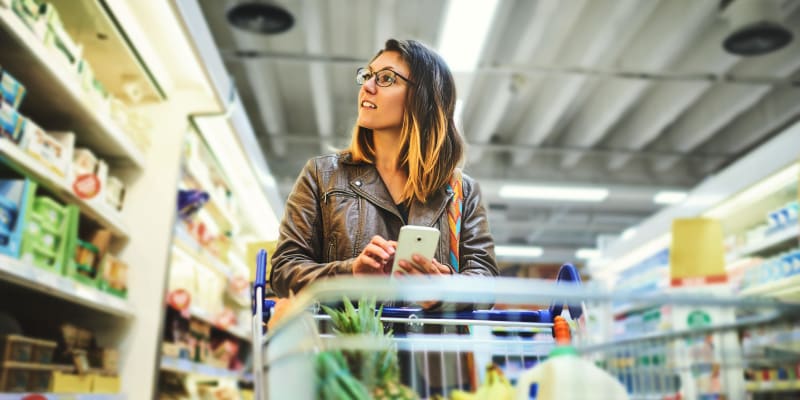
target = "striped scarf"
x: 454, y: 216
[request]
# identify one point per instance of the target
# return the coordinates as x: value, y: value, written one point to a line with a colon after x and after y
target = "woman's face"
x: 382, y: 108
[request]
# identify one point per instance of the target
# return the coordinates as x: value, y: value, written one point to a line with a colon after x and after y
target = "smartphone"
x: 415, y: 239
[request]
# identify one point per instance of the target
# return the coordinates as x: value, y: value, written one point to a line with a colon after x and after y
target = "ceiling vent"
x: 260, y: 17
x: 756, y: 27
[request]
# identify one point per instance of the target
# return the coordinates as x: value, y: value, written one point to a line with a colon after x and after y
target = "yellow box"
x: 247, y: 394
x: 105, y: 384
x: 70, y: 383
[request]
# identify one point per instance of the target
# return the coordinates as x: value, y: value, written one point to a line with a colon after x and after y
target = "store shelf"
x: 791, y: 232
x: 187, y: 244
x: 100, y: 212
x: 773, y: 386
x: 787, y: 288
x: 182, y: 366
x: 204, y: 316
x: 54, y: 95
x: 49, y: 283
x: 62, y: 396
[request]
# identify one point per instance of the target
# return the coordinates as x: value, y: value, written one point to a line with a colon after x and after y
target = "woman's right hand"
x: 376, y: 258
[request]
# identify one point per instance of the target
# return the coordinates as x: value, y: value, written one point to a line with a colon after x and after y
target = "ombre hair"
x: 431, y: 148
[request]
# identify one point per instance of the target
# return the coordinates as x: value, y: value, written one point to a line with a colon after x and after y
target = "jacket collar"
x: 368, y: 183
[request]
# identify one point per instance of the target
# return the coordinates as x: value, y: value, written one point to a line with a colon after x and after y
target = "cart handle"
x: 569, y: 275
x: 261, y: 276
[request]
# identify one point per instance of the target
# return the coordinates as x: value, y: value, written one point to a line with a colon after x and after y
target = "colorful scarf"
x: 454, y: 216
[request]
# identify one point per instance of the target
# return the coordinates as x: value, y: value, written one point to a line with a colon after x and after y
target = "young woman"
x: 346, y: 210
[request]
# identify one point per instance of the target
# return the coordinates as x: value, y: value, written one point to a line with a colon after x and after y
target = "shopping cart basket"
x: 681, y: 345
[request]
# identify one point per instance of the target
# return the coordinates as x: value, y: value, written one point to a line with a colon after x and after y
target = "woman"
x: 346, y: 209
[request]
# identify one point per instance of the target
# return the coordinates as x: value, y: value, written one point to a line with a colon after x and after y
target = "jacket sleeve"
x: 476, y: 244
x: 298, y: 257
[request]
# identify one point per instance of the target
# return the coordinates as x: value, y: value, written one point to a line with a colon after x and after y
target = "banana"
x: 461, y: 395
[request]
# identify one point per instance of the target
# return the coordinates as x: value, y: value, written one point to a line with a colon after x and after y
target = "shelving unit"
x: 202, y: 315
x: 65, y: 396
x: 187, y: 244
x: 789, y: 233
x: 51, y: 284
x: 55, y: 95
x: 787, y: 288
x: 188, y: 367
x: 98, y: 211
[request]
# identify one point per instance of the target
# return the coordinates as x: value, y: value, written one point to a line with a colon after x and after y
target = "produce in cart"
x: 378, y: 371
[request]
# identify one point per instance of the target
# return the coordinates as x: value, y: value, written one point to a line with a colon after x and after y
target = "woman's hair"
x: 431, y: 146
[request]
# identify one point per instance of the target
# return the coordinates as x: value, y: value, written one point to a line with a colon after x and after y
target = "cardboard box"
x: 105, y: 384
x: 71, y: 383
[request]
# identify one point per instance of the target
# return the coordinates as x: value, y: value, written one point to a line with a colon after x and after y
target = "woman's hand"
x: 419, y: 265
x: 376, y: 258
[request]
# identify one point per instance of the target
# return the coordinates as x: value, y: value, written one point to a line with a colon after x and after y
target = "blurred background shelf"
x: 787, y: 288
x: 63, y: 396
x: 49, y: 283
x: 188, y: 367
x: 54, y: 94
x: 98, y: 211
x: 204, y: 316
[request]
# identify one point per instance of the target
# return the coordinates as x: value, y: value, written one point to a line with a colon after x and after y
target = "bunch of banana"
x: 494, y: 387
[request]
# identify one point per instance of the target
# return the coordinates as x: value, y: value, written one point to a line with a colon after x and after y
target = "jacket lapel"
x: 369, y: 185
x: 429, y: 213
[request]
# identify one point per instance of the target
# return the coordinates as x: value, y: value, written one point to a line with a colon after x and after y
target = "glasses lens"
x: 362, y: 75
x: 385, y: 78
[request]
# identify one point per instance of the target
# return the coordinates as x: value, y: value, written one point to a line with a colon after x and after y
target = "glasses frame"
x: 375, y: 74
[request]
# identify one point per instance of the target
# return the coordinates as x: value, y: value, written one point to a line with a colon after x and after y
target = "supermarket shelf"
x: 55, y: 95
x: 773, y: 386
x: 182, y: 366
x: 106, y: 216
x: 779, y: 238
x: 186, y: 242
x: 63, y: 396
x: 787, y: 288
x: 23, y: 274
x: 204, y: 316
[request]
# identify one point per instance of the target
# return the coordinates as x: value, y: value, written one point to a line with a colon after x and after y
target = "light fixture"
x: 588, y: 254
x: 756, y: 27
x: 669, y: 197
x: 781, y: 179
x: 464, y: 32
x: 518, y: 252
x: 558, y: 193
x: 260, y: 17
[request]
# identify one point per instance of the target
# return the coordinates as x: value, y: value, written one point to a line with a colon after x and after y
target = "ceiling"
x: 634, y: 96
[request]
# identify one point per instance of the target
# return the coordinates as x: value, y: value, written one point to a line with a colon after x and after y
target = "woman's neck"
x: 387, y: 150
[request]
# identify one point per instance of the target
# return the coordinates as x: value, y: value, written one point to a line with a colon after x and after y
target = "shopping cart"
x: 681, y: 345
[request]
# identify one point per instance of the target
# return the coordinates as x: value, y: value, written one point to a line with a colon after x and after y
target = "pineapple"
x: 379, y: 371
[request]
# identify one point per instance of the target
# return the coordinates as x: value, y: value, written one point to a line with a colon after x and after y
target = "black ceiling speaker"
x: 756, y: 27
x: 260, y: 17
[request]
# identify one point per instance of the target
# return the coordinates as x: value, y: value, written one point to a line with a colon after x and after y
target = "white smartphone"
x: 415, y: 239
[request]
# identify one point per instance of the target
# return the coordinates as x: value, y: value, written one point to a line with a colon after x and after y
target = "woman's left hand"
x: 422, y: 266
x: 419, y: 265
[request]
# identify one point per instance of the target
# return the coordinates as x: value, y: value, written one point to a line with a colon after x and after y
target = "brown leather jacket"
x: 338, y: 205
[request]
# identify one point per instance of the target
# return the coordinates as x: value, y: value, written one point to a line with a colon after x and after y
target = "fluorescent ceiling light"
x: 518, y: 251
x: 588, y: 254
x: 464, y: 32
x: 583, y: 194
x: 669, y: 197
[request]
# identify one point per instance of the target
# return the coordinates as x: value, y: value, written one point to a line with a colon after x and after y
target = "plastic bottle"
x: 565, y: 376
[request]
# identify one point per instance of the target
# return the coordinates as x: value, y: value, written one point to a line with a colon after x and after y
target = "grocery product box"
x: 12, y: 123
x: 19, y: 348
x: 70, y: 383
x: 53, y: 149
x: 11, y: 90
x: 105, y: 384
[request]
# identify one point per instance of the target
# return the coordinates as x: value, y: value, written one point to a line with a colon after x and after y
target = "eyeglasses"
x: 383, y: 78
